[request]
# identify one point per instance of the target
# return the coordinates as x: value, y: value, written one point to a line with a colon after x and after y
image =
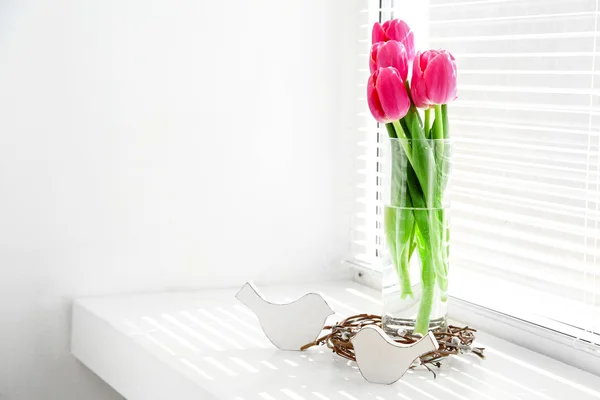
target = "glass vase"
x: 415, y: 272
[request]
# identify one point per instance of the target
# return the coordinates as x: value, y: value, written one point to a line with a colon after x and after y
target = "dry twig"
x: 454, y: 340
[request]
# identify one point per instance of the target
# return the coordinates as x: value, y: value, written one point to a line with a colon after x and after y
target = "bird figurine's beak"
x: 330, y: 311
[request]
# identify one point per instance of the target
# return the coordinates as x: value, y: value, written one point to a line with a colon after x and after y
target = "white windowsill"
x: 203, y: 345
x: 521, y: 327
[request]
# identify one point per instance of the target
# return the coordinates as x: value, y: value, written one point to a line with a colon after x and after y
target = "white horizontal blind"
x: 526, y: 179
x: 525, y: 216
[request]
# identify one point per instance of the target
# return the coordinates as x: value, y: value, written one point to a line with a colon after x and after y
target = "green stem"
x: 403, y: 140
x: 406, y: 237
x: 405, y: 128
x: 444, y: 253
x: 427, y: 126
x: 412, y: 110
x: 446, y: 125
x: 399, y: 219
x: 438, y: 125
x: 428, y: 287
x: 421, y: 157
x: 438, y: 133
x: 438, y: 251
x: 407, y: 87
x: 391, y: 131
x: 431, y: 237
x: 404, y: 273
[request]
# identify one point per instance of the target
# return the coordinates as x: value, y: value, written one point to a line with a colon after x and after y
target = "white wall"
x: 159, y: 145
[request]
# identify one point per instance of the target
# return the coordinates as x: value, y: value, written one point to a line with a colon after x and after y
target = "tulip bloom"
x: 434, y: 78
x: 396, y: 30
x: 389, y: 54
x: 387, y: 98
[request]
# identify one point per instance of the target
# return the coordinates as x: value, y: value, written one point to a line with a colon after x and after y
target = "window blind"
x: 525, y: 211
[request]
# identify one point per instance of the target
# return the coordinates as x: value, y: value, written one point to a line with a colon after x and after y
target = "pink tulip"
x: 397, y: 30
x: 387, y: 98
x: 434, y: 78
x: 389, y: 54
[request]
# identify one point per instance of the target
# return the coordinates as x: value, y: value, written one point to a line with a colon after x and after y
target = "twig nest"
x: 454, y: 340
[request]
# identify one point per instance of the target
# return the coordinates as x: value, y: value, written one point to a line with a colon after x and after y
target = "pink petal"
x: 392, y: 94
x: 418, y: 88
x: 378, y: 34
x: 417, y: 63
x: 372, y: 66
x: 452, y: 59
x: 409, y: 44
x: 373, y: 99
x: 440, y: 76
x: 393, y: 54
x: 396, y: 30
x: 374, y: 55
x: 448, y: 54
x: 400, y: 31
x: 426, y: 57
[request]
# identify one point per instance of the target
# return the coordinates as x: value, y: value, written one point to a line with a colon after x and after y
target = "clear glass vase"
x: 415, y: 273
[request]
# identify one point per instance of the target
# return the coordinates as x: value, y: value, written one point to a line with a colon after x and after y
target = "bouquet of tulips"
x: 415, y: 218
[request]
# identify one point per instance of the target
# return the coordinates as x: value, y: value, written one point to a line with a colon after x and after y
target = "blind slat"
x: 513, y: 18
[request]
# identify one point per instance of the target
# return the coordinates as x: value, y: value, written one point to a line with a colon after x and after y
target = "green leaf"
x: 428, y: 283
x: 391, y: 131
x: 399, y: 224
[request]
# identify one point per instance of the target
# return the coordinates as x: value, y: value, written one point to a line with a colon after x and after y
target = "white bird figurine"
x: 288, y: 326
x: 382, y: 360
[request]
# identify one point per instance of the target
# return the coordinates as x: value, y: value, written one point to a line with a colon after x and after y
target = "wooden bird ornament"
x: 382, y: 360
x: 288, y: 326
